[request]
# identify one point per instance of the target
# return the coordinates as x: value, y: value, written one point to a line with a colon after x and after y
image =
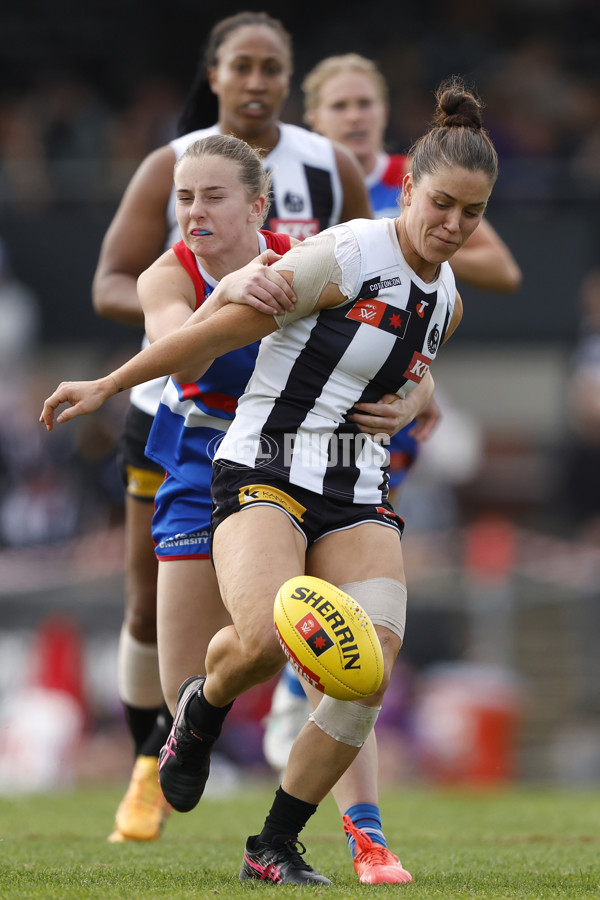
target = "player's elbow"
x: 514, y: 278
x: 101, y: 300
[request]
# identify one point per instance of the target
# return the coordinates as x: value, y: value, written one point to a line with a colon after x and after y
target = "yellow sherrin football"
x: 328, y: 638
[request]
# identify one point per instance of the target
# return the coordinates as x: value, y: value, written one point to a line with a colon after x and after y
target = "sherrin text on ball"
x: 328, y: 637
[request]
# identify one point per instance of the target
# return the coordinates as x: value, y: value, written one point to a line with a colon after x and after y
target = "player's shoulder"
x: 166, y: 262
x: 296, y: 139
x: 180, y: 144
x: 278, y: 241
x: 395, y: 170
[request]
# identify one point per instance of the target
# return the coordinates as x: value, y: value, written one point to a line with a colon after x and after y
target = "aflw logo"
x: 380, y: 315
x: 367, y: 312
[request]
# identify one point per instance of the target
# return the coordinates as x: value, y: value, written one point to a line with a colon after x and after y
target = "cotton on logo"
x: 418, y: 367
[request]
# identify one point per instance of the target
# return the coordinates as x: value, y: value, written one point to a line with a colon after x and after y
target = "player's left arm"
x: 485, y: 261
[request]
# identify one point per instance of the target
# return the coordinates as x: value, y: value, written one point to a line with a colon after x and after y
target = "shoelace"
x: 295, y: 849
x: 377, y: 853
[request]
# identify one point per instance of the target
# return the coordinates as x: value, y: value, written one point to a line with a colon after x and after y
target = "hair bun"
x: 457, y: 119
x: 457, y: 105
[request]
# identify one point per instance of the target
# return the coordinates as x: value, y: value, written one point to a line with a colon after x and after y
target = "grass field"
x: 522, y: 843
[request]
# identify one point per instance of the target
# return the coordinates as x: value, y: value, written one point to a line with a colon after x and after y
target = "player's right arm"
x: 485, y: 261
x: 134, y: 239
x: 357, y: 204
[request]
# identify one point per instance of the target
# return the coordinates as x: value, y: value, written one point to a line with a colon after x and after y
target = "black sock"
x: 205, y: 718
x: 140, y: 723
x: 159, y: 734
x: 287, y: 817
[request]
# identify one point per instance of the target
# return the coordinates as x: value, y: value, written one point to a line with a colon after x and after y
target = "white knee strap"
x: 138, y: 676
x: 345, y: 721
x: 383, y: 600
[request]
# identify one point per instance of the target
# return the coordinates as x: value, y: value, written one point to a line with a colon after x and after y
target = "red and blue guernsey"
x: 192, y: 418
x: 384, y: 184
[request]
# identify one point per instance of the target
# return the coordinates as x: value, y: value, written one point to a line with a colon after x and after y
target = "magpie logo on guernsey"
x: 381, y: 315
x: 251, y: 493
x: 296, y: 228
x: 433, y: 339
x: 293, y: 202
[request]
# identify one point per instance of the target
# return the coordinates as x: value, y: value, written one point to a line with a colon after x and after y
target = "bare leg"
x: 255, y: 552
x: 190, y: 612
x: 358, y: 784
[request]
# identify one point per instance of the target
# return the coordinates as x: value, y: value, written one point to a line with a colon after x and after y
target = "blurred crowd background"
x: 503, y: 510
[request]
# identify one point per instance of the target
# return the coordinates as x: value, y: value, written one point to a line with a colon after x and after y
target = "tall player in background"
x: 247, y: 66
x: 346, y: 99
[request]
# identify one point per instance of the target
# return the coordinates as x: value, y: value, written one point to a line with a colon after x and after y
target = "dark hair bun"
x: 457, y: 105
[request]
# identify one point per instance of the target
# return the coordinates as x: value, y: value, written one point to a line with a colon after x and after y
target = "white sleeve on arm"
x: 317, y: 261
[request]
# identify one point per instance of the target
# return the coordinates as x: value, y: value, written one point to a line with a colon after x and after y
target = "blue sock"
x: 292, y: 682
x: 367, y: 817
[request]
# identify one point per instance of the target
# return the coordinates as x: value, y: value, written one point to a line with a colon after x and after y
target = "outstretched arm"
x: 229, y: 328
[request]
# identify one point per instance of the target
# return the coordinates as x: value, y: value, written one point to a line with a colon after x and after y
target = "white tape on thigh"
x: 345, y: 721
x: 383, y: 600
x: 138, y: 676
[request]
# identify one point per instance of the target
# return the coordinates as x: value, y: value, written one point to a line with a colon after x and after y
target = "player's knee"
x: 346, y: 721
x: 384, y: 601
x: 140, y: 620
x: 263, y: 656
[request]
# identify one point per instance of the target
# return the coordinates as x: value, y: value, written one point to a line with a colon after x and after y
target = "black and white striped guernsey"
x: 292, y: 418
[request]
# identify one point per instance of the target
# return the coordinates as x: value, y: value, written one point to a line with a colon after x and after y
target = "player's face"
x: 213, y: 211
x: 352, y: 111
x: 251, y: 80
x: 439, y: 214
